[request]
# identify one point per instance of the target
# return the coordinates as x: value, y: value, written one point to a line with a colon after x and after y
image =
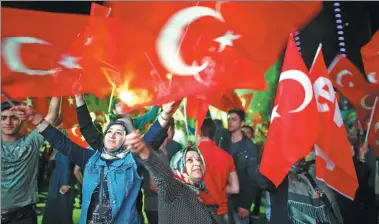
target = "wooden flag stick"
x: 371, y: 117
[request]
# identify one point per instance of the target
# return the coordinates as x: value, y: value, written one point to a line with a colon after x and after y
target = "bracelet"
x: 166, y: 119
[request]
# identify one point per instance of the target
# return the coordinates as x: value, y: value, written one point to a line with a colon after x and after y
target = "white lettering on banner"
x: 329, y: 95
x: 11, y: 55
x: 319, y: 90
x: 329, y: 163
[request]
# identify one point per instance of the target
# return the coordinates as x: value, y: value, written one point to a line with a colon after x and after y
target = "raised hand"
x: 136, y: 144
x: 25, y: 113
x: 171, y: 107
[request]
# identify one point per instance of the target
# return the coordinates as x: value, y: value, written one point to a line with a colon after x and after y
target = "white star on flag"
x: 28, y: 102
x: 70, y: 62
x: 70, y: 100
x: 227, y: 40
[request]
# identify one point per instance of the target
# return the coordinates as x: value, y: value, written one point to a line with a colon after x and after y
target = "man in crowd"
x: 245, y: 156
x: 19, y: 165
x: 220, y: 177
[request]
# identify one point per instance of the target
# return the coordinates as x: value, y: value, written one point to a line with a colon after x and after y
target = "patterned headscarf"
x: 120, y: 152
x: 178, y: 167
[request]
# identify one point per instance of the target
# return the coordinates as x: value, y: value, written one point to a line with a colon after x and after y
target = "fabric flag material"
x: 350, y: 82
x: 37, y: 60
x: 370, y: 58
x: 173, y: 40
x: 294, y: 127
x: 334, y: 163
x: 373, y: 138
x: 68, y: 112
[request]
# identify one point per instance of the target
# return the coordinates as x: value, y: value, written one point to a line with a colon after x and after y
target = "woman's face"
x: 114, y: 137
x: 194, y: 166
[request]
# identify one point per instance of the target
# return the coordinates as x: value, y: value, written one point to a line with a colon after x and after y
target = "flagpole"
x: 371, y: 117
x: 111, y: 98
x: 8, y: 100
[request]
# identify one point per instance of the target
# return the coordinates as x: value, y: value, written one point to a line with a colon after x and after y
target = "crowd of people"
x: 215, y: 180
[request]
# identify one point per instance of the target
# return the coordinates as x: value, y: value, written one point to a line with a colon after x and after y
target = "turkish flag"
x: 294, y: 125
x: 68, y: 112
x: 37, y: 60
x: 226, y: 101
x: 173, y: 40
x: 76, y: 136
x: 373, y: 138
x: 370, y: 58
x: 334, y: 162
x: 246, y: 100
x: 350, y: 82
x: 197, y: 109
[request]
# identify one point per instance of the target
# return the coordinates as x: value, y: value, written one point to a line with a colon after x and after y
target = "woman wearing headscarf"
x: 178, y: 187
x: 111, y: 182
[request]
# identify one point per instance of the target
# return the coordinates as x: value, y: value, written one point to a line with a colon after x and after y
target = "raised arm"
x: 167, y: 187
x: 89, y: 131
x: 157, y: 132
x: 57, y: 139
x: 141, y: 121
x: 53, y: 111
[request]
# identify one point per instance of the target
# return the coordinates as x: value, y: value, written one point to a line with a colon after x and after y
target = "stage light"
x: 339, y: 27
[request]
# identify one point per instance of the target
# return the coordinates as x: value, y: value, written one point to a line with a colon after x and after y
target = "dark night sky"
x: 363, y: 18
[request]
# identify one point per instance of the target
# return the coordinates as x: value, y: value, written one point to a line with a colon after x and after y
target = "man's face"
x: 248, y: 132
x: 118, y: 108
x: 10, y: 123
x: 234, y: 122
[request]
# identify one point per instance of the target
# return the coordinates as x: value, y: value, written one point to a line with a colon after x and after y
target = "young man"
x: 220, y: 177
x: 19, y: 165
x: 245, y: 156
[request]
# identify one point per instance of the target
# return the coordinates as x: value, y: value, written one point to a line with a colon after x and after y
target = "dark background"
x: 361, y: 20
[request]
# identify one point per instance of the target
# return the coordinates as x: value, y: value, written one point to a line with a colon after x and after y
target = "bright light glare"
x: 126, y: 97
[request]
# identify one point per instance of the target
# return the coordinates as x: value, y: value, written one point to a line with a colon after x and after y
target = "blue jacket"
x: 123, y: 180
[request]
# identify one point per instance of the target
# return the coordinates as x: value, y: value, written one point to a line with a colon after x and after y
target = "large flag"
x: 334, y: 163
x: 370, y: 57
x: 173, y: 40
x: 294, y: 125
x: 37, y: 61
x: 350, y: 82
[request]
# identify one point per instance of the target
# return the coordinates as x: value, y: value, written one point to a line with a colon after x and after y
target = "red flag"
x: 76, y: 136
x: 197, y: 109
x: 68, y: 112
x: 370, y: 57
x: 373, y: 138
x: 37, y: 61
x: 173, y: 40
x: 349, y: 81
x: 294, y: 127
x: 246, y: 100
x: 334, y: 163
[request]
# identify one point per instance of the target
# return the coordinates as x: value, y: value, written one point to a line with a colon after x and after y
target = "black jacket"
x: 246, y: 163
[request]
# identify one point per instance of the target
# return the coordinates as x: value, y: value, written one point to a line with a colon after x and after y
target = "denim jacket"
x: 123, y: 184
